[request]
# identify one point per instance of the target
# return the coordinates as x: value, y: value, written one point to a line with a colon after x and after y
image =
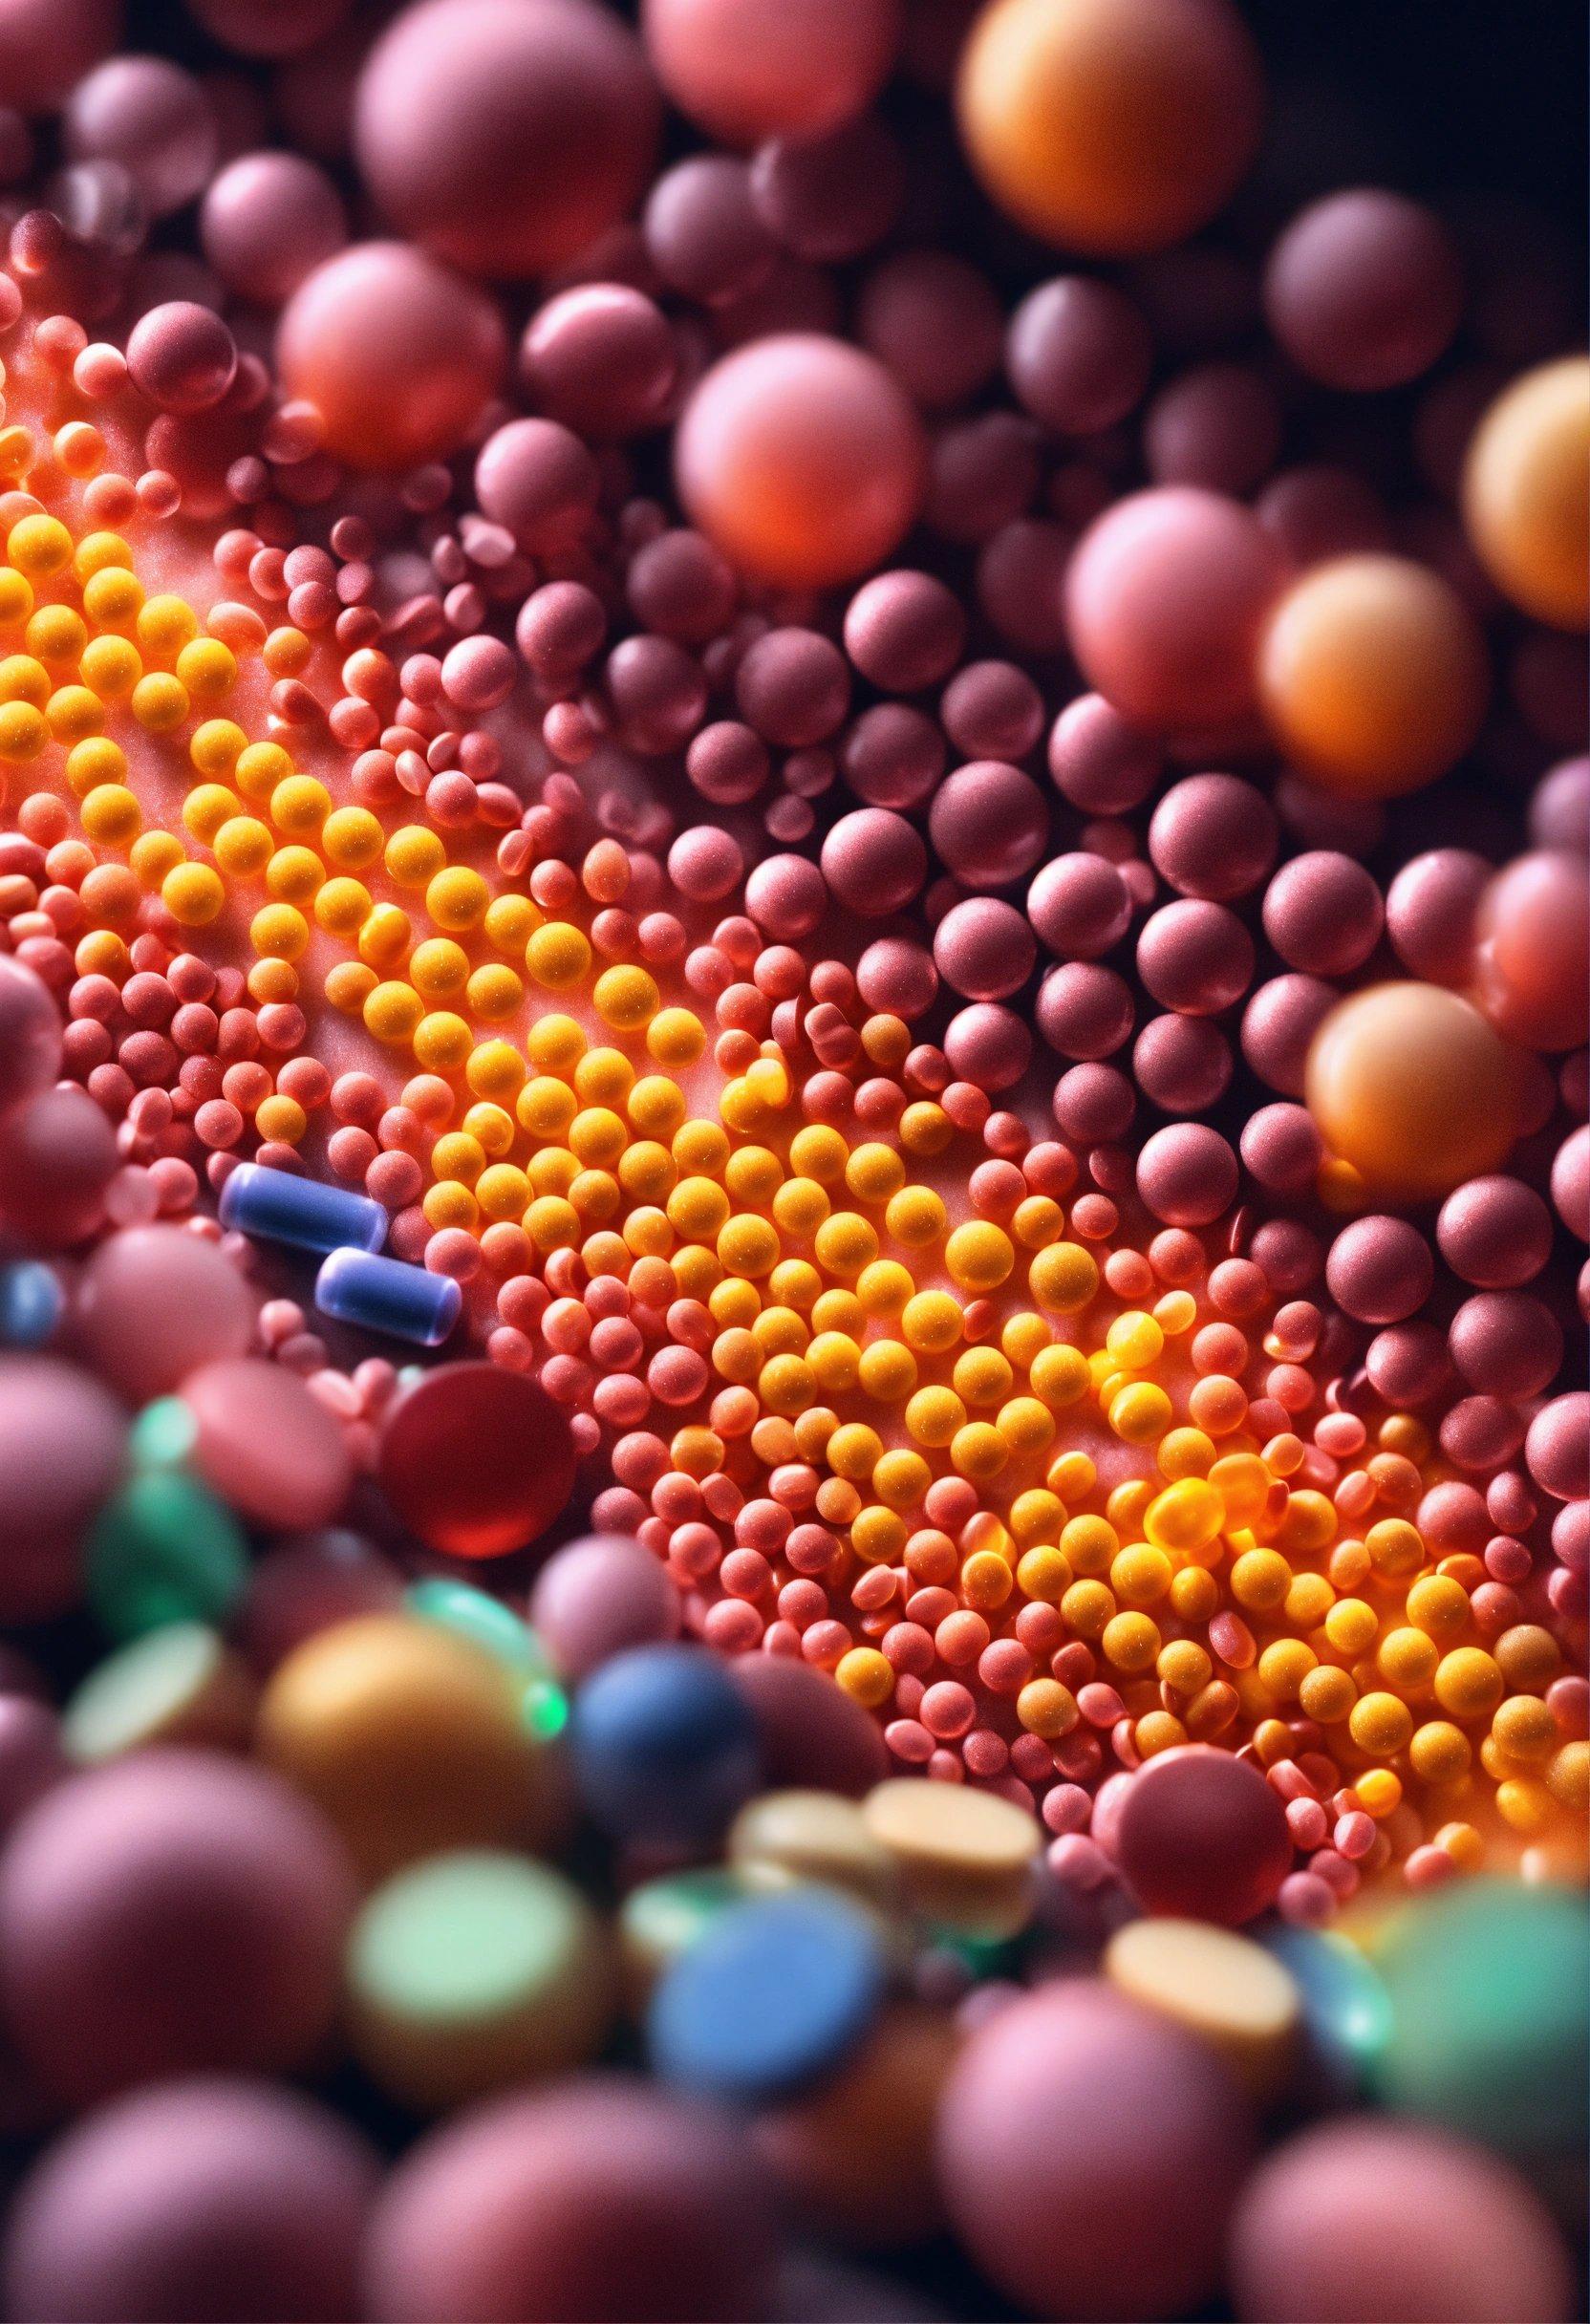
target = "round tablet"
x: 965, y: 1858
x: 163, y: 1551
x: 1488, y: 1986
x: 1200, y: 1834
x: 1090, y: 2154
x: 1222, y: 1987
x: 775, y: 1992
x: 665, y: 1746
x: 472, y: 1971
x: 786, y: 1838
x: 154, y: 1303
x: 606, y: 2197
x: 476, y: 1460
x: 267, y: 1444
x: 409, y: 1736
x: 1366, y: 2221
x: 176, y: 1912
x: 178, y: 2204
x: 178, y: 1683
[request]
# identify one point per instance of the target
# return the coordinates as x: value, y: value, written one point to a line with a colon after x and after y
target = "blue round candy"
x: 1347, y: 2011
x: 665, y: 1745
x: 30, y: 1303
x: 774, y: 1992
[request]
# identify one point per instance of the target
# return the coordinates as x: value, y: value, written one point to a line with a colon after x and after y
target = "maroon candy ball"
x: 983, y: 949
x: 1196, y: 958
x: 1323, y: 914
x: 810, y: 1733
x: 1495, y: 1232
x: 181, y: 357
x: 195, y: 2201
x: 62, y: 1449
x: 1078, y: 355
x: 1380, y: 1270
x: 476, y: 1460
x: 168, y: 1913
x: 601, y: 358
x: 267, y: 220
x: 1186, y: 1174
x: 1089, y: 2155
x: 29, y: 1034
x: 1080, y: 905
x: 154, y: 1303
x: 988, y: 823
x: 1431, y: 911
x: 1201, y: 1834
x: 1213, y: 836
x: 904, y: 631
x: 1364, y: 289
x: 58, y: 1155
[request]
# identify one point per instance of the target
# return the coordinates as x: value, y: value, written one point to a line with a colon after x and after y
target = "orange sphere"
x: 1526, y: 492
x: 1410, y: 1085
x: 399, y: 355
x: 1373, y: 676
x: 1110, y: 126
x: 802, y: 460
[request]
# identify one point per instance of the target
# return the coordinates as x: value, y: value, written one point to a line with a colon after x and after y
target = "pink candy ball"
x: 1495, y: 1232
x: 505, y: 135
x: 150, y: 116
x: 745, y: 70
x: 62, y: 1446
x: 1165, y: 597
x: 1080, y: 905
x: 596, y: 1597
x: 57, y: 1156
x: 1099, y: 762
x: 874, y: 862
x: 1364, y: 289
x: 1186, y: 1174
x: 988, y: 823
x: 601, y: 358
x: 1558, y: 1447
x: 153, y: 1305
x: 983, y: 949
x: 1213, y: 836
x: 1196, y: 958
x: 47, y: 46
x: 1380, y: 1270
x: 29, y: 1034
x: 1323, y: 914
x: 1078, y: 355
x: 398, y: 355
x: 181, y: 357
x: 266, y: 221
x: 267, y: 1444
x: 1432, y: 911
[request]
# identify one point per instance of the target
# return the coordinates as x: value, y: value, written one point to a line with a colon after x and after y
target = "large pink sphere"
x: 1364, y: 289
x: 505, y: 135
x: 48, y: 45
x: 1534, y: 972
x: 62, y: 1447
x: 745, y: 70
x: 156, y: 1303
x: 399, y: 355
x: 267, y: 220
x: 30, y: 1033
x: 1165, y: 597
x: 1089, y: 2155
x: 801, y: 459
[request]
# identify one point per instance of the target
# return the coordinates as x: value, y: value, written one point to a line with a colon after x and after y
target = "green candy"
x: 165, y: 1550
x: 487, y: 1621
x: 1489, y: 1987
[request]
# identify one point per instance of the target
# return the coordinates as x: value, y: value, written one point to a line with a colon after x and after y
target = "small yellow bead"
x: 16, y: 598
x: 676, y: 1038
x: 113, y: 598
x: 915, y: 1216
x: 979, y: 1256
x: 900, y: 1478
x: 626, y: 999
x: 456, y: 898
x: 557, y: 956
x: 1185, y: 1517
x: 243, y: 847
x: 979, y: 1451
x: 443, y: 1042
x: 1135, y: 1341
x: 294, y: 875
x: 819, y: 1152
x: 260, y: 768
x: 1140, y: 1414
x: 40, y: 547
x: 1047, y: 1709
x: 159, y: 703
x: 279, y: 931
x: 1131, y: 1642
x: 24, y: 732
x: 352, y: 838
x: 95, y: 760
x: 1140, y: 1574
x: 100, y: 553
x: 348, y: 985
x: 215, y: 748
x: 934, y: 1414
x: 1260, y: 1581
x: 509, y: 922
x: 1063, y: 1278
x: 874, y: 1173
x: 392, y: 1013
x: 208, y: 669
x: 866, y: 1676
x: 438, y: 968
x: 494, y: 992
x: 932, y: 1322
x: 1381, y: 1723
x: 165, y: 624
x: 1060, y: 1376
x: 450, y: 1204
x: 281, y: 1118
x: 56, y: 633
x: 111, y: 816
x: 299, y: 807
x: 153, y: 854
x: 1468, y: 1683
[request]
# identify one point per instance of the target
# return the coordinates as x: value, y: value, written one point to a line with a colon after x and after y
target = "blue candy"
x: 1347, y: 2011
x: 773, y: 1992
x: 387, y: 1295
x: 665, y: 1745
x: 282, y: 1207
x: 30, y: 1303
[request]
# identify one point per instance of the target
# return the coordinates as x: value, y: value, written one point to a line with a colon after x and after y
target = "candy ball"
x: 988, y: 823
x: 265, y: 1443
x: 1372, y: 675
x: 29, y: 1034
x: 154, y: 1303
x: 1495, y: 1232
x: 62, y: 1449
x: 598, y: 1597
x: 1364, y: 290
x: 1109, y: 129
x: 1186, y: 1174
x: 776, y: 68
x: 167, y: 2204
x: 398, y: 355
x: 45, y: 48
x: 1201, y: 1836
x: 409, y: 1736
x: 286, y: 29
x: 801, y: 459
x: 267, y: 220
x: 1524, y: 492
x: 1411, y: 1085
x: 476, y: 1460
x: 810, y: 1733
x: 1078, y: 354
x: 603, y: 2198
x: 1380, y: 1270
x: 505, y: 135
x: 602, y: 358
x: 1090, y: 2154
x: 665, y: 1746
x: 874, y: 862
x: 1166, y: 598
x: 1533, y: 980
x: 1213, y: 836
x: 1486, y: 2251
x: 181, y: 357
x: 147, y: 115
x: 171, y: 1912
x: 58, y: 1155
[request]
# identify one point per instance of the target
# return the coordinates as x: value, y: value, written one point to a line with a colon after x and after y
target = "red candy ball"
x: 1201, y: 1835
x: 476, y: 1460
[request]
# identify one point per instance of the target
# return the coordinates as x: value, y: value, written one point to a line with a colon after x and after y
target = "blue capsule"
x: 387, y: 1295
x: 30, y: 1303
x: 773, y: 1992
x: 282, y: 1207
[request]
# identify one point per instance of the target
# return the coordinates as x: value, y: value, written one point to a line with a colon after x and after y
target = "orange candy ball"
x: 1373, y: 677
x: 1110, y: 126
x: 1414, y: 1088
x: 399, y: 355
x: 801, y: 459
x: 1526, y: 492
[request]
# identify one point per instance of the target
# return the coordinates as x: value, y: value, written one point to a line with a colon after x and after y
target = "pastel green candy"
x: 1488, y: 1986
x: 165, y: 1550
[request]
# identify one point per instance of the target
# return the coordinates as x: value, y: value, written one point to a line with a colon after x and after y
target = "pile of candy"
x: 792, y: 1150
